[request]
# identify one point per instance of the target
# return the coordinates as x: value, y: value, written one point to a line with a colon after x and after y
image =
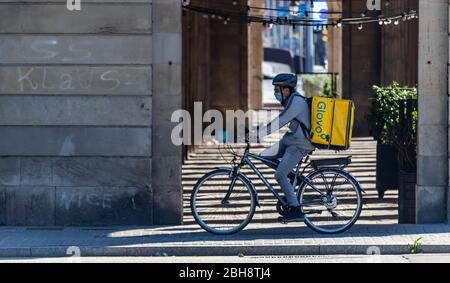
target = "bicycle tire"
x: 357, y: 189
x: 196, y: 214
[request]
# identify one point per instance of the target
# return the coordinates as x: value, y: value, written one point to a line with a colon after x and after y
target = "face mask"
x: 279, y: 96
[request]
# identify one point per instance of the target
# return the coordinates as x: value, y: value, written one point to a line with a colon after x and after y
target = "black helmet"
x: 285, y: 80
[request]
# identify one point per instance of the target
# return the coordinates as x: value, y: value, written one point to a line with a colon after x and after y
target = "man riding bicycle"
x: 294, y: 145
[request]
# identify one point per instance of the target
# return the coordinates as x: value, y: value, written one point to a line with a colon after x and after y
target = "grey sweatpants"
x: 290, y: 157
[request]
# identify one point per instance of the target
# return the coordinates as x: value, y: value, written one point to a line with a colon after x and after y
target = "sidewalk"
x: 258, y: 239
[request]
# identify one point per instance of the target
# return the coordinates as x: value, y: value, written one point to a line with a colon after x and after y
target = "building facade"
x: 85, y: 104
x: 86, y: 99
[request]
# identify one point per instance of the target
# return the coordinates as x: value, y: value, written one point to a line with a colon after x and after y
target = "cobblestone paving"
x: 258, y: 239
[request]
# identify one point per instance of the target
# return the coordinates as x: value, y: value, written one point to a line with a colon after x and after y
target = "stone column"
x: 432, y: 183
x: 167, y: 158
x: 335, y: 48
x: 256, y: 57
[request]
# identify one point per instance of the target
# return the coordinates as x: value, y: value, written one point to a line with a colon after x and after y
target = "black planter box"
x: 407, y: 197
x: 387, y: 169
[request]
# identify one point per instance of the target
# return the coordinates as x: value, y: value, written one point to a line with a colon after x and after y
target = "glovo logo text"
x: 320, y: 115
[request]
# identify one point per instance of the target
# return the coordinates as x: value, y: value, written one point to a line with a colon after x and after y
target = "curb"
x: 311, y: 250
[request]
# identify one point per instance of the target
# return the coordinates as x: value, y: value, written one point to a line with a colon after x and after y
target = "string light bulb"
x: 287, y: 20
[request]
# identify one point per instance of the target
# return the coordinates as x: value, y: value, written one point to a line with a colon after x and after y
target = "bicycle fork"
x: 234, y: 176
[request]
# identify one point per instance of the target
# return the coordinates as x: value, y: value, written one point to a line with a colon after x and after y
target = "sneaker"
x: 295, y: 214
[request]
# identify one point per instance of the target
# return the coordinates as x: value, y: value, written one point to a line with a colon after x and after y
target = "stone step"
x: 198, y: 174
x: 208, y: 164
x: 354, y: 171
x: 363, y: 151
x: 258, y: 182
x: 317, y: 153
x: 264, y: 192
x: 226, y: 160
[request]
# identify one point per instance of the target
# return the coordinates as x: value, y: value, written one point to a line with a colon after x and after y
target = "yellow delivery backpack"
x: 331, y: 123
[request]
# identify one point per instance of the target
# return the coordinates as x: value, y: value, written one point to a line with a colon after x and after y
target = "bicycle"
x: 224, y: 201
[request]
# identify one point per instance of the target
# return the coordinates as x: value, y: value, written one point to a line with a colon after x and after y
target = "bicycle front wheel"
x: 331, y: 200
x: 221, y: 204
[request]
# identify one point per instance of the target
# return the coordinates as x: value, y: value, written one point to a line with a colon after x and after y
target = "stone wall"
x: 448, y: 91
x: 432, y: 163
x: 81, y: 121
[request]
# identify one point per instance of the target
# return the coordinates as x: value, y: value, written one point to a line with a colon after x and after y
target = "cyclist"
x: 294, y: 145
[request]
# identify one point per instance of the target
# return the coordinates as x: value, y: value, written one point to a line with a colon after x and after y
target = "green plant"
x: 327, y: 91
x: 416, y: 247
x: 318, y: 85
x: 394, y: 121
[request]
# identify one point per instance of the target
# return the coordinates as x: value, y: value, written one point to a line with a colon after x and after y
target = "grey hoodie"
x: 295, y: 109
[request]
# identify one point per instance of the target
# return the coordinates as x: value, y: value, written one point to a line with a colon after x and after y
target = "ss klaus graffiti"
x: 44, y: 78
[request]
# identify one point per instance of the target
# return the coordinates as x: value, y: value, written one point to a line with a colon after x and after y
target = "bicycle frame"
x: 246, y: 160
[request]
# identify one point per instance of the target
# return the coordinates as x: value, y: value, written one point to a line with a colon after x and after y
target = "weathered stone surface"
x: 162, y: 138
x: 167, y: 97
x: 431, y: 204
x: 434, y: 135
x: 433, y: 126
x: 168, y: 46
x: 76, y: 49
x: 448, y: 204
x: 165, y: 105
x: 163, y: 19
x: 75, y: 141
x: 168, y: 205
x: 431, y: 172
x: 30, y: 206
x: 168, y: 174
x: 95, y: 206
x: 439, y: 104
x: 2, y: 206
x: 35, y: 172
x: 106, y: 18
x: 98, y: 171
x: 77, y: 111
x: 79, y: 80
x: 167, y: 79
x: 9, y: 171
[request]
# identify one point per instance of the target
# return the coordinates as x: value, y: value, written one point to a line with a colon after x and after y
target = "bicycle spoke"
x: 214, y: 215
x: 339, y: 209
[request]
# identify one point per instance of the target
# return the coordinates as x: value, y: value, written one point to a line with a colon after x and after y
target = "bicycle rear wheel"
x: 337, y: 206
x: 220, y: 215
